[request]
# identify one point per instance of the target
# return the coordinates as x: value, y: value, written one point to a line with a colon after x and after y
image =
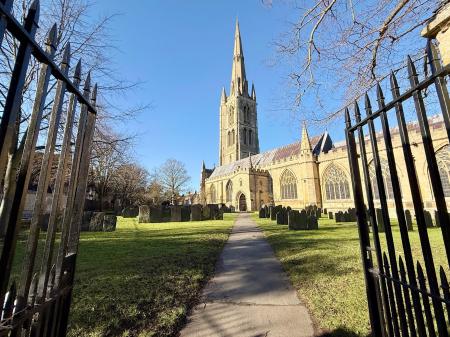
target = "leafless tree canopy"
x: 172, y: 176
x: 345, y: 46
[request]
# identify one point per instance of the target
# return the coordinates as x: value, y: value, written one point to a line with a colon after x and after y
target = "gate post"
x: 439, y: 28
x: 363, y: 228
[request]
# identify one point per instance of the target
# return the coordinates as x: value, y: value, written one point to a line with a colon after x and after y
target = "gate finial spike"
x: 348, y: 122
x: 412, y: 72
x: 77, y: 73
x: 393, y: 80
x: 357, y: 112
x: 51, y: 36
x: 34, y: 11
x: 94, y: 95
x: 380, y: 95
x: 66, y: 54
x: 367, y: 104
x: 87, y: 85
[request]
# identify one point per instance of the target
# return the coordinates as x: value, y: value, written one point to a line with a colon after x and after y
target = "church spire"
x: 239, y: 83
x: 305, y: 145
x: 223, y: 98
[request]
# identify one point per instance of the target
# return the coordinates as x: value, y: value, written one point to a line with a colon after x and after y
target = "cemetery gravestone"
x: 330, y: 215
x: 109, y: 223
x: 175, y: 213
x: 185, y: 213
x: 96, y: 223
x: 428, y: 219
x: 196, y: 212
x: 408, y: 218
x: 144, y: 214
x: 380, y: 221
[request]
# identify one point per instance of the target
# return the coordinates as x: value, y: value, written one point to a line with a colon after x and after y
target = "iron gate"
x: 35, y: 297
x: 405, y: 297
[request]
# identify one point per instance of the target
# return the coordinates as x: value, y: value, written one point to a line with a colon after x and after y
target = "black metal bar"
x: 416, y: 196
x: 391, y: 295
x: 401, y: 214
x: 7, y: 4
x: 431, y: 159
x: 412, y: 326
x: 445, y: 290
x: 363, y: 229
x: 426, y: 302
x: 387, y: 318
x: 385, y: 215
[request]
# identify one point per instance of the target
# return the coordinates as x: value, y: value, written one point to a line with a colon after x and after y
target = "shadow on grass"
x: 340, y: 332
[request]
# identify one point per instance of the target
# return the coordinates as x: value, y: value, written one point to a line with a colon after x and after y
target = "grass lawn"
x: 142, y: 279
x: 325, y: 267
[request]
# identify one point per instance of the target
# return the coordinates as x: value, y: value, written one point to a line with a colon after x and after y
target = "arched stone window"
x: 244, y: 136
x: 386, y: 179
x: 212, y: 192
x: 233, y: 137
x: 230, y: 116
x: 288, y: 184
x: 229, y: 191
x: 443, y: 161
x: 250, y: 137
x: 336, y: 183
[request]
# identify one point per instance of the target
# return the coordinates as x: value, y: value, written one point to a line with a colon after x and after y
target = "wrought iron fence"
x: 35, y: 298
x: 405, y: 297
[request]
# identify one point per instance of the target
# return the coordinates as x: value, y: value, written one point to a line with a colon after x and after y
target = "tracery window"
x: 336, y: 183
x: 386, y: 174
x: 288, y: 184
x: 212, y: 192
x: 443, y: 161
x: 229, y: 191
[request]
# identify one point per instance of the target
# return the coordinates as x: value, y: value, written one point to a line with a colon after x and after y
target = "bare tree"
x: 130, y: 184
x: 172, y: 176
x: 345, y: 46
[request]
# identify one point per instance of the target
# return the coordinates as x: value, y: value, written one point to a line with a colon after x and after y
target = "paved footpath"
x: 250, y: 294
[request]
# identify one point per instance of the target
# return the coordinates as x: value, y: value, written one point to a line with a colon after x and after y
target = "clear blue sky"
x: 182, y: 52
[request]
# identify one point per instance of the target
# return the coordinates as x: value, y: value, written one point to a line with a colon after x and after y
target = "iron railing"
x: 404, y: 298
x: 35, y: 301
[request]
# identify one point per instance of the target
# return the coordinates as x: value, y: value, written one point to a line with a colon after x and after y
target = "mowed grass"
x: 142, y: 279
x: 325, y: 267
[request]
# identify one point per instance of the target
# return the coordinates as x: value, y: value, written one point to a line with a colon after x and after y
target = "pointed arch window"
x: 212, y: 192
x: 288, y: 183
x: 443, y: 161
x: 244, y: 135
x: 233, y: 137
x: 229, y: 138
x: 386, y: 174
x: 250, y: 137
x: 229, y: 191
x: 336, y: 183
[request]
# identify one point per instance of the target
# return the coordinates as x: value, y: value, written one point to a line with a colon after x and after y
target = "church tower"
x: 238, y: 117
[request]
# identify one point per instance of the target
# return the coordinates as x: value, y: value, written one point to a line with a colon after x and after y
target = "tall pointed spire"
x: 239, y: 83
x: 305, y: 145
x: 223, y: 97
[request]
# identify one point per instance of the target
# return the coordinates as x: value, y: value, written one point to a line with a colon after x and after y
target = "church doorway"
x: 242, y: 203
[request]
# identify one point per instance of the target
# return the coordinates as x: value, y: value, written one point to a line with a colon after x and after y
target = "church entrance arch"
x: 242, y: 203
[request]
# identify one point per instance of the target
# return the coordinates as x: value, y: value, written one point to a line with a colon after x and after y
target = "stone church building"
x: 311, y: 171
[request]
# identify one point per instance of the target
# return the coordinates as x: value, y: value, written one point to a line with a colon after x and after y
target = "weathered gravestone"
x: 96, y: 223
x: 352, y: 214
x: 262, y: 213
x: 312, y: 222
x: 330, y: 215
x: 380, y: 220
x: 338, y: 216
x: 206, y: 213
x: 155, y: 214
x: 130, y: 212
x: 273, y: 212
x: 109, y: 223
x: 428, y: 219
x: 408, y: 218
x: 144, y: 214
x: 196, y: 213
x: 280, y: 217
x: 267, y: 211
x: 325, y: 211
x: 185, y: 213
x: 293, y: 219
x: 436, y: 219
x: 175, y: 213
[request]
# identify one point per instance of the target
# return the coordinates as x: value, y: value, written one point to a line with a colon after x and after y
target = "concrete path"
x: 250, y: 295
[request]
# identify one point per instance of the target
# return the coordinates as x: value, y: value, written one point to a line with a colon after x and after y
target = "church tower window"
x: 250, y: 137
x: 288, y: 184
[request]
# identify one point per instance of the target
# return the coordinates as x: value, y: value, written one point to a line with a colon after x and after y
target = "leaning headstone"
x: 130, y: 212
x: 293, y: 220
x: 330, y: 215
x: 436, y: 219
x: 408, y: 218
x: 380, y: 221
x: 185, y: 213
x: 280, y: 217
x: 109, y: 223
x: 175, y: 213
x: 428, y: 219
x: 196, y: 212
x: 144, y: 214
x: 155, y: 215
x: 312, y: 222
x: 96, y: 223
x: 303, y: 220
